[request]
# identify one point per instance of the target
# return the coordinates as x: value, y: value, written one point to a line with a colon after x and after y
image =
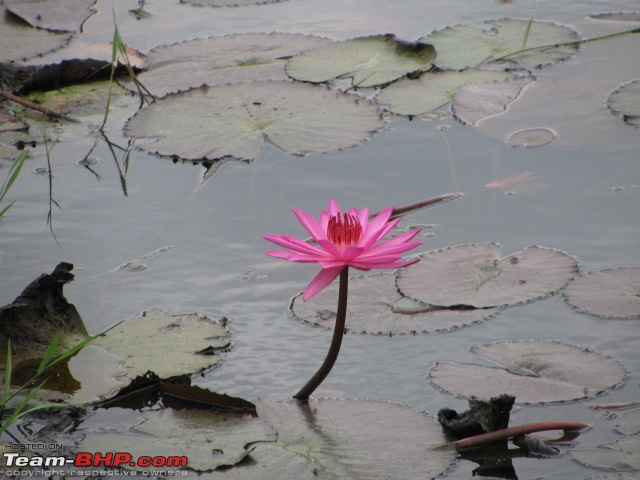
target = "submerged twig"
x: 35, y: 106
x: 504, y: 433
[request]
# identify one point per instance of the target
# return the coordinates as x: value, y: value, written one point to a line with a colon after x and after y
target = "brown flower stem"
x: 35, y: 106
x: 489, y: 437
x: 336, y: 341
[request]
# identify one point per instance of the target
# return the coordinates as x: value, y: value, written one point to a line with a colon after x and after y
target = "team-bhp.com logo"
x: 86, y: 459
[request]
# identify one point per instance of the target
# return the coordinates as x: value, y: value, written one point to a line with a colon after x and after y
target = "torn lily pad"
x: 235, y: 120
x: 237, y: 58
x: 474, y: 102
x: 376, y: 307
x: 621, y: 456
x: 169, y: 345
x: 58, y: 15
x: 463, y: 46
x: 532, y: 371
x: 475, y: 276
x: 432, y: 90
x: 609, y: 293
x: 624, y: 103
x: 368, y: 61
x: 207, y: 439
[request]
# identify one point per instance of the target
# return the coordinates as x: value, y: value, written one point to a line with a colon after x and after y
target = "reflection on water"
x: 201, y: 244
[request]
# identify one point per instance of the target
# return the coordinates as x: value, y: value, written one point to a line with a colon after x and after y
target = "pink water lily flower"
x: 344, y: 239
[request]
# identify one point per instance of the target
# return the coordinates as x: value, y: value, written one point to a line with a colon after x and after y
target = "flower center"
x: 345, y: 230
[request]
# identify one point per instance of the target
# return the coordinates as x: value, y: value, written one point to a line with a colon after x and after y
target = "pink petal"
x: 324, y: 278
x: 334, y: 207
x: 330, y: 248
x: 376, y: 226
x: 310, y: 224
x: 294, y: 244
x: 396, y: 244
x: 367, y: 266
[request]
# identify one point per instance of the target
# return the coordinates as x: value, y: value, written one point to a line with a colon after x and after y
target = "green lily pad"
x: 59, y: 15
x: 234, y: 121
x: 621, y: 455
x: 238, y: 58
x: 474, y: 102
x: 624, y: 103
x: 463, y: 46
x: 532, y: 371
x: 618, y: 16
x: 368, y: 61
x: 376, y: 307
x: 432, y: 90
x: 207, y: 438
x: 474, y: 275
x: 610, y: 292
x: 168, y: 345
x: 346, y: 439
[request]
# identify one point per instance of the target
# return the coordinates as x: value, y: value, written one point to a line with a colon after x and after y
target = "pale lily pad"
x: 348, y: 439
x: 531, y: 138
x: 376, y: 307
x: 474, y: 102
x: 624, y: 103
x: 629, y: 422
x: 229, y: 3
x: 19, y: 42
x: 234, y: 121
x: 368, y: 61
x: 60, y: 15
x: 611, y: 292
x: 208, y: 439
x: 532, y: 371
x: 474, y: 275
x: 622, y: 455
x: 238, y: 58
x: 168, y: 345
x: 432, y: 90
x: 618, y: 17
x: 462, y: 46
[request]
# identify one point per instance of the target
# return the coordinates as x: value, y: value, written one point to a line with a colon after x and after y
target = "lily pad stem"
x: 336, y: 341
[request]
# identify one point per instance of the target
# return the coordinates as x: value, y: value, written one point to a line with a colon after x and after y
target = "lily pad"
x: 432, y: 90
x: 621, y: 455
x: 618, y: 17
x: 234, y: 121
x: 532, y: 371
x: 463, y: 46
x: 531, y: 138
x: 368, y: 61
x: 629, y: 422
x: 32, y: 41
x: 60, y: 15
x: 355, y: 439
x: 168, y: 345
x: 474, y: 102
x: 474, y: 275
x: 624, y: 103
x: 208, y: 439
x: 238, y: 58
x: 229, y: 3
x: 376, y: 307
x: 611, y: 292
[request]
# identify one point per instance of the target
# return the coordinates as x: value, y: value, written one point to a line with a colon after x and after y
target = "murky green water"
x: 202, y: 245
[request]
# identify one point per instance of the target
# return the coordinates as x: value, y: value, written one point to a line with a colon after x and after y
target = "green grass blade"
x: 72, y: 351
x: 526, y: 34
x: 7, y: 377
x: 19, y: 411
x: 44, y: 363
